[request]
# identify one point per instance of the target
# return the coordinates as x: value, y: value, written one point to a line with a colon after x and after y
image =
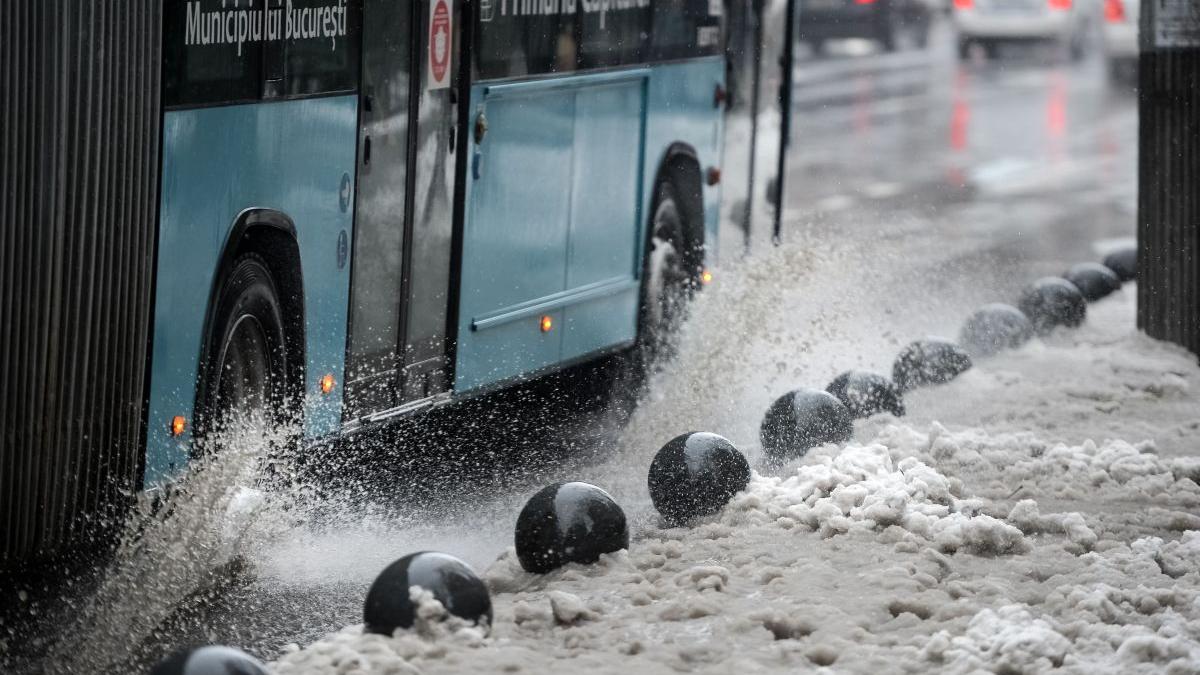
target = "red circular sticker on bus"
x: 439, y: 41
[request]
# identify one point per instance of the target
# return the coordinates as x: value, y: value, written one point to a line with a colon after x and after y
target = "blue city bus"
x: 371, y: 207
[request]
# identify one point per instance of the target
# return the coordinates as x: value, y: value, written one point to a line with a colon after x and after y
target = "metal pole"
x: 756, y: 9
x: 785, y: 111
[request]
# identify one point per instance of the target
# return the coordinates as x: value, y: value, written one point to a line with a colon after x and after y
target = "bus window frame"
x: 265, y: 93
x: 647, y: 53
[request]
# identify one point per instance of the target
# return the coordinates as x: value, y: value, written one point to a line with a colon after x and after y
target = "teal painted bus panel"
x: 605, y: 214
x: 517, y: 235
x: 605, y: 173
x: 598, y: 324
x: 290, y: 156
x: 681, y: 109
x: 521, y: 202
x: 596, y: 140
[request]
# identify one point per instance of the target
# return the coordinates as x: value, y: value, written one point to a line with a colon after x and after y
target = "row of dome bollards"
x: 697, y: 473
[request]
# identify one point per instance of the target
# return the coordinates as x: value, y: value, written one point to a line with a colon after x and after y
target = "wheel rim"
x: 246, y: 383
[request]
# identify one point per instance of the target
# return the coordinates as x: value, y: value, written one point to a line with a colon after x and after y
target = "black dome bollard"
x: 696, y: 474
x: 803, y: 419
x: 1123, y: 263
x: 865, y: 394
x: 210, y: 660
x: 994, y: 328
x: 452, y: 582
x: 1093, y: 280
x: 929, y: 361
x: 1052, y: 301
x: 569, y: 522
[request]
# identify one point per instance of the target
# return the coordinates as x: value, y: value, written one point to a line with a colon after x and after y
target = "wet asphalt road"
x: 1029, y: 156
x: 995, y: 172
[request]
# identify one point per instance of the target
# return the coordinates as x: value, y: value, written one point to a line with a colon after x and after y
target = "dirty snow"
x: 1037, y: 514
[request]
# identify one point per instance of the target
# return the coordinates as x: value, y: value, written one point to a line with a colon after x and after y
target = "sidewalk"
x: 1036, y: 513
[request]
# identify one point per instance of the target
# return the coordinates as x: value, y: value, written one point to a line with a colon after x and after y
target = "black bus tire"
x: 671, y: 267
x: 667, y: 277
x: 246, y: 367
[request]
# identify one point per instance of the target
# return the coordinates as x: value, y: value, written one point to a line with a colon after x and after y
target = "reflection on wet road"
x: 918, y: 133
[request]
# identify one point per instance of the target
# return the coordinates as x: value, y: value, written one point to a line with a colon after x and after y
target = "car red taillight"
x: 1060, y: 4
x: 963, y: 4
x: 1114, y: 11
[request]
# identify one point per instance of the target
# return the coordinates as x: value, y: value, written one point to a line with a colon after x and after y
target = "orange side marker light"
x: 546, y: 324
x: 327, y: 384
x: 706, y: 277
x: 178, y: 425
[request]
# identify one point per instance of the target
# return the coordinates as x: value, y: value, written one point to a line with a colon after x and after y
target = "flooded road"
x: 918, y: 188
x: 1030, y: 150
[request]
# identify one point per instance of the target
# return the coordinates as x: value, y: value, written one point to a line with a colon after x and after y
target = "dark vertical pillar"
x: 755, y: 26
x: 79, y: 138
x: 1169, y: 172
x: 787, y: 63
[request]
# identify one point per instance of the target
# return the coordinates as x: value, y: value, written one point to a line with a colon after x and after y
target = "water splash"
x: 791, y: 316
x: 180, y: 544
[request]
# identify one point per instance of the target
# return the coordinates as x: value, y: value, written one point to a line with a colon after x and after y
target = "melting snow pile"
x: 865, y: 489
x: 990, y: 538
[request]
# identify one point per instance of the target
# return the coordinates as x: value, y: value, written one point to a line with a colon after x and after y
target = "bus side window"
x: 684, y: 29
x: 273, y: 62
x: 325, y: 59
x: 217, y: 51
x: 613, y: 38
x: 273, y: 70
x: 197, y: 68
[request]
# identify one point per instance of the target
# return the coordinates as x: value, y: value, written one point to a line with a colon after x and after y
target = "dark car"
x: 888, y: 22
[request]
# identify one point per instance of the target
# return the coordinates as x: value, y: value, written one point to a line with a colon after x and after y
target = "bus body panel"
x: 296, y: 157
x: 530, y: 186
x: 605, y: 213
x: 514, y: 239
x: 682, y: 110
x: 555, y: 219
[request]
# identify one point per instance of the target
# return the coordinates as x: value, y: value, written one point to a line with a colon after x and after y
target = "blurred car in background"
x: 990, y: 23
x: 890, y: 23
x: 1120, y: 38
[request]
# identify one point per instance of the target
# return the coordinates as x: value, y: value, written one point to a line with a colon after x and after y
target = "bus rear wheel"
x: 670, y: 271
x: 671, y: 267
x: 247, y: 366
x: 667, y: 281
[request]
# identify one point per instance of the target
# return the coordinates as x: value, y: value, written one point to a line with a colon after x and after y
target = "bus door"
x: 404, y: 208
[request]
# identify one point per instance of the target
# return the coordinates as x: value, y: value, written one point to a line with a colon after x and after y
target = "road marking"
x: 998, y: 170
x: 882, y: 190
x: 808, y: 71
x: 834, y: 203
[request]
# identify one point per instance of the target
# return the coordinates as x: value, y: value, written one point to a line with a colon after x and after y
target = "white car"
x: 1120, y: 38
x: 989, y: 23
